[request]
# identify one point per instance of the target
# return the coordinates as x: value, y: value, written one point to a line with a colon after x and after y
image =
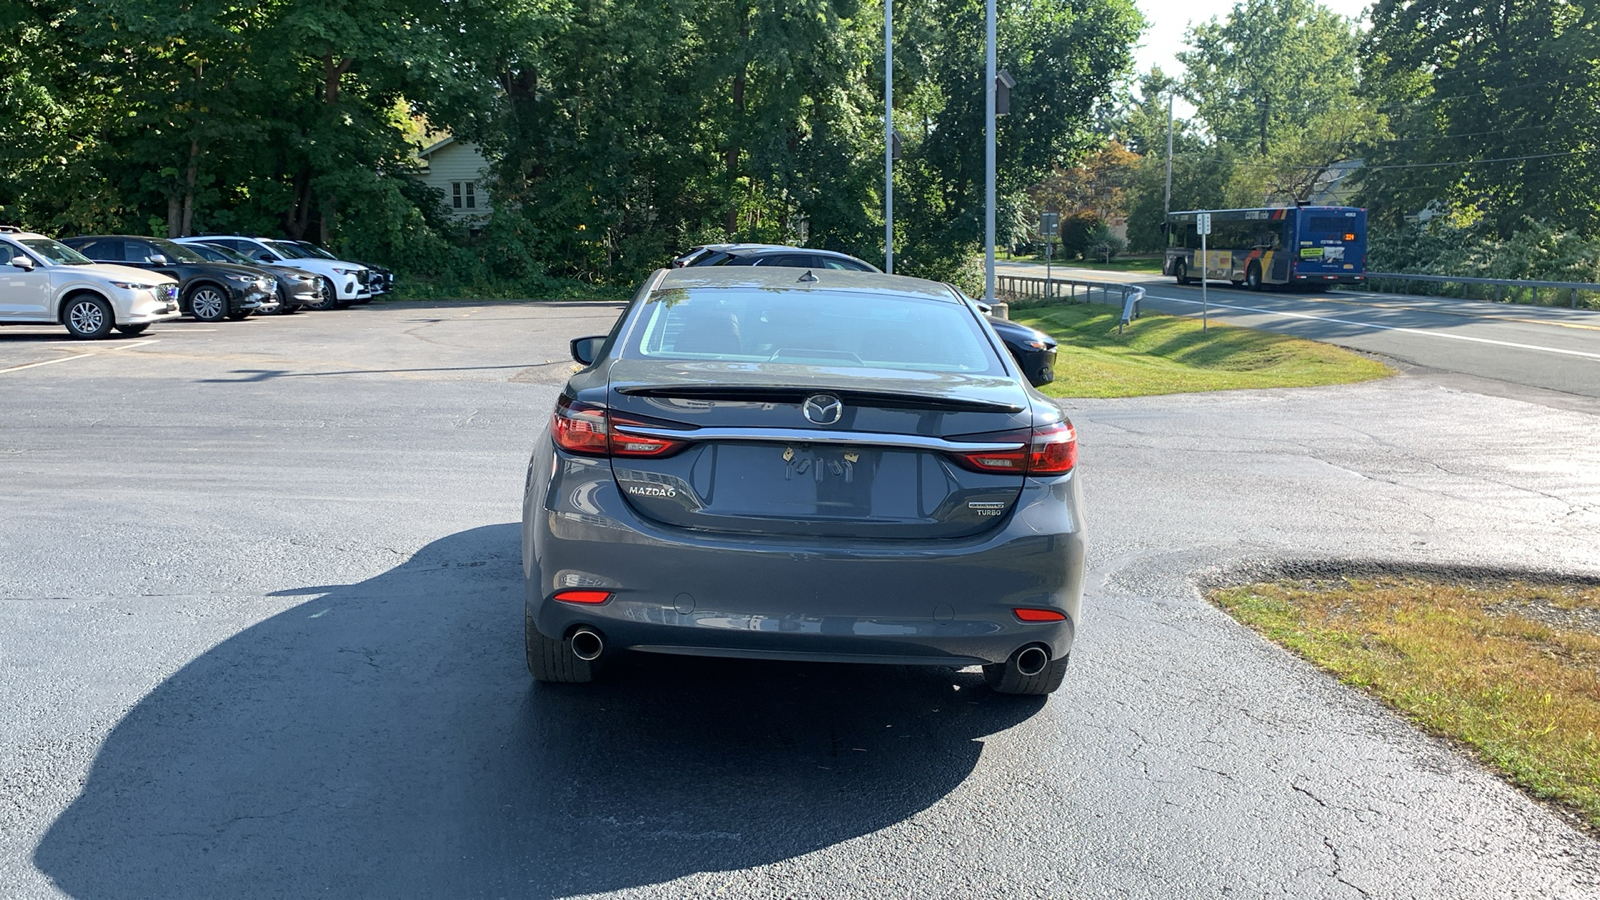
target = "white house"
x: 457, y: 170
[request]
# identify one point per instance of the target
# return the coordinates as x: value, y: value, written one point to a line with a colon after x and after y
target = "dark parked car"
x: 771, y: 255
x: 209, y: 291
x: 379, y: 279
x: 840, y: 467
x: 296, y: 289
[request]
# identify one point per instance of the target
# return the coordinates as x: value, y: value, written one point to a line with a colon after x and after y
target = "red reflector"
x: 583, y: 596
x: 1039, y: 615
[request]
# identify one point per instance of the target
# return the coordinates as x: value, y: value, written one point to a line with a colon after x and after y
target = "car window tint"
x: 792, y: 260
x: 102, y: 249
x: 139, y: 251
x: 814, y: 328
x: 843, y: 265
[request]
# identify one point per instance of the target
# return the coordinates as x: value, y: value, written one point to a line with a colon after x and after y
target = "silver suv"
x: 44, y: 282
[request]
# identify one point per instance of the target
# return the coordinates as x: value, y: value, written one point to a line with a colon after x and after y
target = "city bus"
x: 1310, y: 246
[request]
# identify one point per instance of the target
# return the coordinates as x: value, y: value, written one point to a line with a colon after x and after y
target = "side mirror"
x: 156, y: 259
x: 983, y: 307
x: 22, y: 262
x: 586, y: 349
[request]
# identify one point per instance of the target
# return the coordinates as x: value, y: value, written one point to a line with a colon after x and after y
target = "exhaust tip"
x: 1032, y: 660
x: 587, y: 644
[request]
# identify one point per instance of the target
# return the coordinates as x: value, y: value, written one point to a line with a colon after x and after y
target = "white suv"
x: 339, y: 283
x: 42, y: 281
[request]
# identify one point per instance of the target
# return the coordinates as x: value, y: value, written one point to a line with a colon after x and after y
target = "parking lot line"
x: 62, y: 359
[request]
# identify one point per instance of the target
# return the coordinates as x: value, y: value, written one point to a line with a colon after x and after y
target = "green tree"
x: 1278, y: 81
x: 1494, y: 111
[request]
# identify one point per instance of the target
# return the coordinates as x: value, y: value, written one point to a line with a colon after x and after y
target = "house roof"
x: 436, y: 145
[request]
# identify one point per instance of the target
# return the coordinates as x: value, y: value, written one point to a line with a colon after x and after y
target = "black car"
x: 209, y: 291
x: 296, y: 289
x: 771, y: 255
x: 1033, y: 350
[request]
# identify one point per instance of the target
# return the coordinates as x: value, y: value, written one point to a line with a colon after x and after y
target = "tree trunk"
x: 189, y: 178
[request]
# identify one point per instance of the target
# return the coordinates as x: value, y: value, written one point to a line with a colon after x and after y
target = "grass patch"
x: 1511, y: 670
x: 1160, y: 354
x: 1143, y: 264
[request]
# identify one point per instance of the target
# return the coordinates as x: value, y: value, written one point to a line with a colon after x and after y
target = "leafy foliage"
x: 621, y: 131
x: 1494, y: 111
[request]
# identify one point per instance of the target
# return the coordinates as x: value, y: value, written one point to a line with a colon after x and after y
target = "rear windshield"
x: 812, y: 328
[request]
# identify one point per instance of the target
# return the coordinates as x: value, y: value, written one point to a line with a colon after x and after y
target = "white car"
x: 340, y: 283
x: 45, y: 282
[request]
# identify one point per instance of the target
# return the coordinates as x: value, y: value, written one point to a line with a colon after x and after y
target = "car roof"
x: 722, y: 277
x: 770, y: 248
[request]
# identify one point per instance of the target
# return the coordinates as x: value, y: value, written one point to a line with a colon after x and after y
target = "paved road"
x: 1547, y: 347
x: 260, y: 637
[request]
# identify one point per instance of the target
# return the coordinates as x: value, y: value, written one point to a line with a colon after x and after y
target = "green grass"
x: 1160, y: 354
x: 1506, y: 669
x: 1146, y: 265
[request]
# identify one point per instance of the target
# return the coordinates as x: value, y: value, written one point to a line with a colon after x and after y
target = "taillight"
x: 588, y: 429
x: 1039, y: 615
x: 1049, y: 450
x: 590, y: 597
x: 580, y: 428
x: 1054, y: 451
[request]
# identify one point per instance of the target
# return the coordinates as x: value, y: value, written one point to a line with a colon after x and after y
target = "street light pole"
x: 988, y: 158
x: 1168, y: 203
x: 888, y: 136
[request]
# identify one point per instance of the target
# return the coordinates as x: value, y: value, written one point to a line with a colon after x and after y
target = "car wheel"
x: 207, y: 303
x: 133, y: 329
x: 327, y: 297
x: 87, y: 317
x: 1252, y: 277
x: 1007, y: 677
x: 550, y: 660
x: 1180, y: 270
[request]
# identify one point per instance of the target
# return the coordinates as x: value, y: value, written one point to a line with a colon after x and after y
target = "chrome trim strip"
x: 807, y: 436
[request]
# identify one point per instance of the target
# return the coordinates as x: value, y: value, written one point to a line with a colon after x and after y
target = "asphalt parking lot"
x: 260, y: 611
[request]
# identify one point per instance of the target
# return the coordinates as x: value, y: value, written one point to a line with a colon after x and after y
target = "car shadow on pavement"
x: 383, y: 739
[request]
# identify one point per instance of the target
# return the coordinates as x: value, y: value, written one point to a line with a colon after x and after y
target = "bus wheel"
x: 1180, y: 269
x: 1252, y: 277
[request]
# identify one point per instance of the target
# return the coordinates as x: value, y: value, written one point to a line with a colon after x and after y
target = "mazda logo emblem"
x: 822, y: 409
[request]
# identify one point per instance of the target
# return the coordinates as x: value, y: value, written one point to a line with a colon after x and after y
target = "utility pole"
x: 1167, y: 205
x: 888, y: 136
x: 988, y: 156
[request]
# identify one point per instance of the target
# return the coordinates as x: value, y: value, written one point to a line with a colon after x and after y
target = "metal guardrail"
x: 1025, y: 291
x: 1499, y: 284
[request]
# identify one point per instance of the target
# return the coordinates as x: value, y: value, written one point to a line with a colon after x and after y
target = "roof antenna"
x: 808, y: 278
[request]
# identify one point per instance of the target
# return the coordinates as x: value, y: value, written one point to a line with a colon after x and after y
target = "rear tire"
x: 87, y: 317
x: 552, y: 661
x: 1180, y: 270
x: 1252, y: 277
x: 1004, y: 678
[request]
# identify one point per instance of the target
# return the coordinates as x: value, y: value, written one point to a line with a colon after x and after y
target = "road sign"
x: 1049, y: 224
x: 1202, y: 223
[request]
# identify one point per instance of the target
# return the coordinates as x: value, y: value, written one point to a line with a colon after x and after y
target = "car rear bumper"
x: 944, y: 602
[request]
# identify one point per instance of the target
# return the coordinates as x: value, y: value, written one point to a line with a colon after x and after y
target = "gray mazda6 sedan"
x: 793, y: 465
